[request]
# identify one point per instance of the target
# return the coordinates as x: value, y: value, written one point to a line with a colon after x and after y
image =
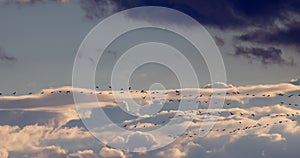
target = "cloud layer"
x: 258, y: 120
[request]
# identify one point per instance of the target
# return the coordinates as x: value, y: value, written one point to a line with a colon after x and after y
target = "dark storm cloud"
x: 269, y: 55
x: 5, y: 57
x: 219, y: 13
x: 283, y: 36
x: 219, y: 41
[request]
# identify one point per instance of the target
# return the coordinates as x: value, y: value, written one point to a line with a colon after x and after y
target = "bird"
x: 29, y: 93
x: 129, y: 88
x: 0, y: 93
x: 14, y: 93
x: 280, y: 94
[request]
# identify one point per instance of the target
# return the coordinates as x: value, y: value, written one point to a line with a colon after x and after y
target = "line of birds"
x: 177, y: 92
x: 190, y: 134
x: 230, y: 131
x: 231, y: 114
x: 144, y: 94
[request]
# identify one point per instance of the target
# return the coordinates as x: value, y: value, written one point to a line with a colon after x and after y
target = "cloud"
x: 111, y: 153
x: 52, y: 151
x: 34, y: 1
x: 4, y: 153
x: 266, y: 56
x: 5, y: 57
x: 173, y: 152
x: 30, y: 138
x: 84, y: 154
x: 98, y: 8
x: 287, y: 35
x: 295, y: 81
x: 218, y: 13
x: 219, y: 41
x: 218, y: 85
x: 38, y: 136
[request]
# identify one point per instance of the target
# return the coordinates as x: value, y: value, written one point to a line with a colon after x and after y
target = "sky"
x: 39, y: 40
x: 46, y: 117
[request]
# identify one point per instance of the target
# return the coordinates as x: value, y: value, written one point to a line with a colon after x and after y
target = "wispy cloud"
x: 266, y: 56
x: 6, y: 57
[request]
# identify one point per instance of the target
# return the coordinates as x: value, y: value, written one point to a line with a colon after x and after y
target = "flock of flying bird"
x: 198, y: 112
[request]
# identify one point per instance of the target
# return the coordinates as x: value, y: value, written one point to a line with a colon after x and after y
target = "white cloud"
x: 36, y: 119
x: 84, y: 154
x: 111, y: 153
x: 173, y: 152
x: 295, y: 81
x: 52, y: 151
